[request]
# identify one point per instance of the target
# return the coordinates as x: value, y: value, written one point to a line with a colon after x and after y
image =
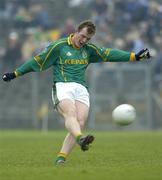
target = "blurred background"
x: 27, y: 26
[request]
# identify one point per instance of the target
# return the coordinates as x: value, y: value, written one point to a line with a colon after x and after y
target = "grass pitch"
x: 30, y: 155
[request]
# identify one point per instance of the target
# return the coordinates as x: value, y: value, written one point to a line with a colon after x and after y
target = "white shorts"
x: 69, y: 90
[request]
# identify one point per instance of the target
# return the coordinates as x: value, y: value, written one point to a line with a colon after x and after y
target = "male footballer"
x: 69, y: 57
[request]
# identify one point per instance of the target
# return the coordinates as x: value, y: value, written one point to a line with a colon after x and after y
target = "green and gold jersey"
x: 69, y: 63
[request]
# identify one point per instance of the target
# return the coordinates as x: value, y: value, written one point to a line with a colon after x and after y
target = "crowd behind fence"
x: 28, y: 26
x: 26, y: 102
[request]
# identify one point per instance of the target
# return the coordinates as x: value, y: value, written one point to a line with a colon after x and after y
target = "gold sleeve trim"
x: 132, y: 57
x: 16, y: 73
x: 106, y: 53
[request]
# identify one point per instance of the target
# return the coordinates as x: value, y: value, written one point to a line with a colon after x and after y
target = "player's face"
x: 81, y: 37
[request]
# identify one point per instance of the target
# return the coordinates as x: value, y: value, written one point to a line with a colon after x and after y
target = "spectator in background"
x: 40, y: 16
x: 68, y: 27
x: 22, y: 18
x: 99, y: 11
x: 2, y: 8
x: 12, y: 54
x: 158, y: 62
x: 104, y: 36
x: 24, y: 3
x: 137, y: 9
x: 29, y: 46
x: 76, y: 3
x: 7, y: 10
x: 100, y: 7
x: 135, y: 39
x: 154, y: 20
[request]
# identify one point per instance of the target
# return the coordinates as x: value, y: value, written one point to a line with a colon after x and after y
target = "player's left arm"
x: 115, y: 55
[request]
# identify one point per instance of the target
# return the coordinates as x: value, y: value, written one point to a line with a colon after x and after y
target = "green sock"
x: 78, y: 138
x: 60, y: 158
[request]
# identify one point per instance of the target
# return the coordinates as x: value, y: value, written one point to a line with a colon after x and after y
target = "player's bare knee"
x: 71, y: 113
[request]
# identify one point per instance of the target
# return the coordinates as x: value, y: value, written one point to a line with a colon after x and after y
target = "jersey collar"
x: 70, y: 41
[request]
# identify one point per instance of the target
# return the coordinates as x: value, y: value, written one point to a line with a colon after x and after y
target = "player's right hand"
x: 8, y: 76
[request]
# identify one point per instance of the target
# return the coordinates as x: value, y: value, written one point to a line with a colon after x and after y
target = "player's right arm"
x: 40, y: 62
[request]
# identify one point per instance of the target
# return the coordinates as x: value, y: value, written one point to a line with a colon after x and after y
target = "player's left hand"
x: 143, y: 54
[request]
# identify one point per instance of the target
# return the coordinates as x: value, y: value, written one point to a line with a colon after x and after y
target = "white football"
x: 124, y: 114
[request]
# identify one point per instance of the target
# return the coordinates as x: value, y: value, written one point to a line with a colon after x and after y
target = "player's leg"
x: 68, y: 111
x: 69, y: 141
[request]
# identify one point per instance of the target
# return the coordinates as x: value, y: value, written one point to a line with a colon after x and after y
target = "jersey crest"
x: 68, y: 54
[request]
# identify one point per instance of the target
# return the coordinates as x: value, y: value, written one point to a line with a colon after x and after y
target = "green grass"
x: 29, y: 155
